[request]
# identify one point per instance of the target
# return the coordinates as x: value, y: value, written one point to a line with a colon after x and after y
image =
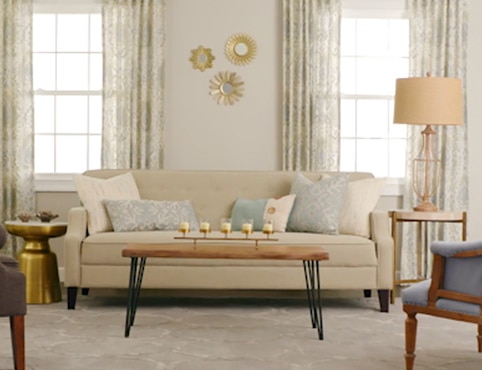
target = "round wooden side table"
x: 37, y: 261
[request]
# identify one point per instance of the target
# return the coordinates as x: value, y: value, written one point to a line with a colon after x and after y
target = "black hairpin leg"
x: 135, y: 283
x: 312, y: 279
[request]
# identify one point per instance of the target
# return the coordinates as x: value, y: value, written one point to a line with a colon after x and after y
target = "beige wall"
x: 474, y: 114
x: 203, y: 135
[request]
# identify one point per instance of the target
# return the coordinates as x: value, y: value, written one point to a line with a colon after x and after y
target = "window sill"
x: 54, y: 183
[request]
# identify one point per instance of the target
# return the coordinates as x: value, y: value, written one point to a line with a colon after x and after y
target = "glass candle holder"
x: 247, y: 226
x: 268, y: 227
x: 205, y: 227
x: 184, y: 227
x: 226, y: 227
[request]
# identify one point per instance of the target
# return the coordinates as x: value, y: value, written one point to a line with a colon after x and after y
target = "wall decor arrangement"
x: 240, y: 49
x: 226, y: 87
x: 201, y: 58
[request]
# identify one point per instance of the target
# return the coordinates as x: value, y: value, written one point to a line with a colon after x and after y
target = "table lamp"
x: 428, y: 101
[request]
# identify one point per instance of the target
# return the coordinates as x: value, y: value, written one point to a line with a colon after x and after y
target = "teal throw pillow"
x: 318, y: 204
x: 246, y: 208
x: 149, y: 215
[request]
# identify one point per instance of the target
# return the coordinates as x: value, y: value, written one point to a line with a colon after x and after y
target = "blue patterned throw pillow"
x: 148, y: 215
x: 318, y: 204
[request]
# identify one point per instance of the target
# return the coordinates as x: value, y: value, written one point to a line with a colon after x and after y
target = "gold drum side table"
x: 37, y: 261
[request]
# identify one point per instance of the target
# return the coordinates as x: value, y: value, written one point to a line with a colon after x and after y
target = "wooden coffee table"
x: 310, y: 255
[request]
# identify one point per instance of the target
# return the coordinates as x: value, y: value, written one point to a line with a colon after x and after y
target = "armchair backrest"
x: 457, y: 277
x: 463, y: 275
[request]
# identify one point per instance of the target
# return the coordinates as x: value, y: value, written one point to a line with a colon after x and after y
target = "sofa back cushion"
x: 92, y: 192
x: 213, y: 193
x: 360, y: 200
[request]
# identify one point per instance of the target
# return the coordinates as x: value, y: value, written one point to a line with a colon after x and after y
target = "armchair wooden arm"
x: 453, y: 292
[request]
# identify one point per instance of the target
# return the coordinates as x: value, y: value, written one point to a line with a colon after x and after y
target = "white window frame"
x: 59, y: 182
x: 379, y: 9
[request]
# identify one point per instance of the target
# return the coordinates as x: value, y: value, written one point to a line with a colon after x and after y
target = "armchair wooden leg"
x: 17, y: 331
x: 410, y: 339
x: 479, y: 338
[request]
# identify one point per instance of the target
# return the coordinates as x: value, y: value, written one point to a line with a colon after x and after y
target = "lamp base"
x: 426, y: 206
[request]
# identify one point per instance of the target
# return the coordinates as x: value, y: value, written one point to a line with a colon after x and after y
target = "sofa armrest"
x: 380, y: 234
x: 76, y: 233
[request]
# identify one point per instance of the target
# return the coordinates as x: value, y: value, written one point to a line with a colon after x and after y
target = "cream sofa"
x: 95, y: 261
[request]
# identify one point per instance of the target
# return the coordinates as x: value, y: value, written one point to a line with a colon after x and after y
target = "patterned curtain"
x: 16, y: 119
x: 133, y: 100
x: 311, y: 53
x: 438, y: 44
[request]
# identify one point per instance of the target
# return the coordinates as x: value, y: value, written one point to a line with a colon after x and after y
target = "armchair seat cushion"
x: 417, y: 295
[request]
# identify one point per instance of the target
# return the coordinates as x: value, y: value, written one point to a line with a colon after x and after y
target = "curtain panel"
x: 438, y: 44
x: 311, y: 59
x: 133, y: 93
x: 16, y: 119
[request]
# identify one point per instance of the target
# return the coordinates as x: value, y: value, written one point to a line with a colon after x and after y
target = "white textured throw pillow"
x: 278, y: 210
x: 93, y: 191
x: 318, y: 204
x: 361, y: 199
x: 146, y: 215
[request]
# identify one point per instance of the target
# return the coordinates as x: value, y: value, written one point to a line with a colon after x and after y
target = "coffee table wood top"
x: 226, y: 251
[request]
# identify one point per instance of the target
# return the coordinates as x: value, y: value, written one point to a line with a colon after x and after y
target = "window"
x: 374, y: 53
x: 67, y: 82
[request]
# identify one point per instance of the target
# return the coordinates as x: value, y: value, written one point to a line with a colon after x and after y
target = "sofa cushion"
x: 360, y: 200
x: 346, y: 251
x: 276, y: 210
x: 318, y: 204
x: 145, y: 215
x: 93, y: 191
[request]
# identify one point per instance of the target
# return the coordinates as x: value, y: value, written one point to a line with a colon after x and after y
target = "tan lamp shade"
x: 429, y: 101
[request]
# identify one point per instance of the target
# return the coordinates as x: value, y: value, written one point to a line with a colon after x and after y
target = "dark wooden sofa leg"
x: 367, y: 293
x: 17, y: 331
x: 384, y: 299
x: 71, y: 297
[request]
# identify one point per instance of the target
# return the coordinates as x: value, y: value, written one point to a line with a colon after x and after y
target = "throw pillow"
x: 274, y: 209
x: 317, y: 206
x: 360, y: 200
x: 93, y: 191
x: 247, y: 208
x: 148, y: 215
x: 278, y: 210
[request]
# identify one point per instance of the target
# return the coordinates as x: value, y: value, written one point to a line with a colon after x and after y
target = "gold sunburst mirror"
x: 226, y: 88
x: 240, y: 49
x: 201, y: 58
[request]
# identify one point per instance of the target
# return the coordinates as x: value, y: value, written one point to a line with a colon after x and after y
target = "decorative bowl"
x: 24, y: 217
x: 46, y: 216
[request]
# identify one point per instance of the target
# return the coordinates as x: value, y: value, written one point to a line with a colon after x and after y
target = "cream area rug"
x: 234, y: 333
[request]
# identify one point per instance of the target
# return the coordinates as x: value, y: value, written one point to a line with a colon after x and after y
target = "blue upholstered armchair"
x: 454, y: 291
